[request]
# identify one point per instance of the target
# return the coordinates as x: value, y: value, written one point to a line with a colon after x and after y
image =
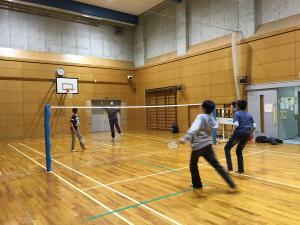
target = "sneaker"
x: 230, y: 171
x: 73, y: 150
x: 240, y: 172
x: 121, y: 134
x: 234, y: 190
x: 196, y: 187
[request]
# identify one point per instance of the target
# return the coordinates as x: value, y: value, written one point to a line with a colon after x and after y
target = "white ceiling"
x: 134, y: 7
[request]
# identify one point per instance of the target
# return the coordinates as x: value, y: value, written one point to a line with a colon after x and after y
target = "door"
x: 100, y: 121
x: 263, y: 107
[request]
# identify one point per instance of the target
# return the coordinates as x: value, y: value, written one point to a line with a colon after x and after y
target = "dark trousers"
x: 114, y: 123
x: 240, y: 139
x: 209, y: 155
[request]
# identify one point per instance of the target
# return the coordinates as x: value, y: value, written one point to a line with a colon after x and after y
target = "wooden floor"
x: 137, y: 180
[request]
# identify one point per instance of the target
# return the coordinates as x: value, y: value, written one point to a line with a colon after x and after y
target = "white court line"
x: 155, y: 174
x: 38, y: 157
x: 262, y: 179
x: 73, y: 186
x: 109, y: 188
x: 203, y: 164
x: 117, y: 146
x: 96, y: 142
x: 222, y: 146
x: 150, y: 136
x: 281, y: 155
x: 140, y: 177
x: 269, y: 181
x: 267, y: 150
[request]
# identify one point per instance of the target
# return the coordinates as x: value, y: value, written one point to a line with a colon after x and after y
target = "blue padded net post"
x: 47, y: 136
x: 215, y: 130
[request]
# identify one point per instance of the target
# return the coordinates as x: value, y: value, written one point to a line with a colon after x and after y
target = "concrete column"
x: 182, y: 27
x: 248, y: 16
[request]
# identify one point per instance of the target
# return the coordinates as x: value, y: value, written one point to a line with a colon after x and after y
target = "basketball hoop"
x: 69, y: 93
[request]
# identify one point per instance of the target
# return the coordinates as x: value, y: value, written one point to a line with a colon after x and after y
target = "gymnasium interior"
x: 156, y: 62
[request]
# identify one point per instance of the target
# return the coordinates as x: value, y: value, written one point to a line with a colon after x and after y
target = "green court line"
x: 139, y: 204
x: 157, y: 166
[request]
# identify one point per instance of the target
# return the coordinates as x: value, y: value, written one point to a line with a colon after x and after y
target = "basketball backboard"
x: 66, y: 85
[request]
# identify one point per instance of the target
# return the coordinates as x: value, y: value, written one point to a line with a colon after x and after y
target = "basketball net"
x: 69, y: 93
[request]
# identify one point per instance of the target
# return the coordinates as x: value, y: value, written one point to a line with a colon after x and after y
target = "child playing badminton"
x: 199, y: 135
x: 244, y: 128
x: 75, y: 123
x: 113, y: 120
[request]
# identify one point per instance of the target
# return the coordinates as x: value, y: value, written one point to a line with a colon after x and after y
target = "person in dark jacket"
x: 113, y: 120
x: 244, y: 128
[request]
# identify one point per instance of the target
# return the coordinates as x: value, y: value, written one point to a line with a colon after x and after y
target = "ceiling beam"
x: 88, y: 10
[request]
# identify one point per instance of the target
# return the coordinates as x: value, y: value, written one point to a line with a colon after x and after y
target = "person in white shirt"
x: 199, y: 136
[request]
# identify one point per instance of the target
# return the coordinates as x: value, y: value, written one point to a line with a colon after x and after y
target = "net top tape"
x: 123, y: 107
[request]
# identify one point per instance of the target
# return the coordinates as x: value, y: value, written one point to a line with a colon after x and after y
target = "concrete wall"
x: 156, y: 35
x: 32, y: 32
x: 212, y: 19
x: 271, y: 10
x: 205, y: 20
x: 160, y: 30
x: 139, y: 45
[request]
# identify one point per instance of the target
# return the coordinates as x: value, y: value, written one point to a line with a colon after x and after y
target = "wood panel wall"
x: 206, y: 75
x: 25, y: 87
x: 209, y: 75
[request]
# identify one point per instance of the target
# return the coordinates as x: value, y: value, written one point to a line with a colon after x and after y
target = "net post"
x: 47, y: 113
x: 215, y: 130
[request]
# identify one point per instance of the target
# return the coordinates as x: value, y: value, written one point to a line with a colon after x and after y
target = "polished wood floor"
x: 137, y: 180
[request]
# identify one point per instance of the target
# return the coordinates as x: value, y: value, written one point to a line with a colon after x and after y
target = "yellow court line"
x: 72, y: 185
x: 109, y: 188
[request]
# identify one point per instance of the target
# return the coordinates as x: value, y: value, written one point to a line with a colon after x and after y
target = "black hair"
x: 242, y: 104
x: 233, y: 104
x: 75, y: 110
x: 208, y: 106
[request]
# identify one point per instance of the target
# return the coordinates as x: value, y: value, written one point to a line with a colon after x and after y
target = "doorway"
x: 100, y: 121
x: 263, y: 107
x: 298, y: 117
